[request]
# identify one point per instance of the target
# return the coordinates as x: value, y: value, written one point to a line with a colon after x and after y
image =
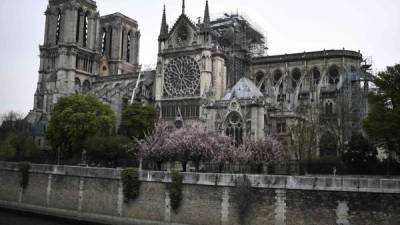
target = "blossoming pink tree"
x: 193, y: 144
x: 265, y: 150
x: 198, y: 144
x: 156, y: 146
x: 223, y: 149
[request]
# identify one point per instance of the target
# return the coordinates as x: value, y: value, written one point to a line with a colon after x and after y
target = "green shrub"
x: 130, y: 183
x: 175, y: 191
x: 23, y: 168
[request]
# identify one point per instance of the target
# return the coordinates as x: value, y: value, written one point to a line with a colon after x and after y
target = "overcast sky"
x: 371, y: 26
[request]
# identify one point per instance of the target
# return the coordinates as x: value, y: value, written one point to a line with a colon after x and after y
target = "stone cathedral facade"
x: 214, y: 72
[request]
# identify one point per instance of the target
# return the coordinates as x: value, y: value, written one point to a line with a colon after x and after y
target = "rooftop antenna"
x: 183, y: 6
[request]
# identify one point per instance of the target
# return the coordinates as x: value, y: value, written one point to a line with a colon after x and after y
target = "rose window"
x: 182, y: 78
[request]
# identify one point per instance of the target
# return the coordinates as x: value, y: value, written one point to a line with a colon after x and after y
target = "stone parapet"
x: 96, y: 195
x: 312, y: 183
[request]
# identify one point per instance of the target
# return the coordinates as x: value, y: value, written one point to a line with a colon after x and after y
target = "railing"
x: 307, y: 56
x: 285, y: 168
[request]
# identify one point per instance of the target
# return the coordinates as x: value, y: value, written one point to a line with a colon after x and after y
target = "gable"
x: 183, y: 33
x: 183, y: 20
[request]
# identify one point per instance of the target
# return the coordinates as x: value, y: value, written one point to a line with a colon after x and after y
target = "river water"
x: 8, y: 217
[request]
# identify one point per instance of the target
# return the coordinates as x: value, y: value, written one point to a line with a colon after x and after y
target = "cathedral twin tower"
x: 79, y: 46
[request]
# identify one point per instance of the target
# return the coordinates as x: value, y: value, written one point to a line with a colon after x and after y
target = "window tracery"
x: 234, y: 127
x: 77, y: 85
x: 260, y: 81
x: 58, y: 30
x: 296, y: 75
x: 316, y: 75
x: 182, y: 78
x: 277, y: 76
x: 86, y: 87
x: 334, y: 76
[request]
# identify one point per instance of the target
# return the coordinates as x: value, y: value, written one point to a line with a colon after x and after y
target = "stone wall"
x: 95, y: 195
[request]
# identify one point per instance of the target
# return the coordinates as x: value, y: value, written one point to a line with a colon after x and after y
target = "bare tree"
x: 11, y: 116
x: 304, y: 132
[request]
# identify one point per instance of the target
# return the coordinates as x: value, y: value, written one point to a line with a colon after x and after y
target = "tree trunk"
x: 184, y: 166
x: 220, y: 167
x: 159, y: 165
x: 389, y: 159
x: 197, y: 165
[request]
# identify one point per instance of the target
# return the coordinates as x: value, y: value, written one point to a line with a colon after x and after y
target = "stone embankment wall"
x: 95, y: 195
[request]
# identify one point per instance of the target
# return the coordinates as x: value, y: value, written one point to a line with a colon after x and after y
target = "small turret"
x: 164, y: 27
x: 206, y: 21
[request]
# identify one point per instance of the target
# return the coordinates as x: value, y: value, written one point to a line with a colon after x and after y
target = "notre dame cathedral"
x: 215, y: 72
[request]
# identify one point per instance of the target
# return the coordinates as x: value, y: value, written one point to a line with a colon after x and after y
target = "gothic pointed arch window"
x: 128, y: 47
x: 234, y: 127
x: 39, y: 101
x: 78, y: 24
x: 182, y: 35
x: 333, y: 75
x: 86, y: 87
x: 277, y: 76
x: 103, y: 42
x: 122, y: 44
x: 296, y: 75
x: 260, y: 81
x: 58, y: 29
x: 78, y: 85
x: 316, y: 75
x: 85, y: 29
x: 110, y: 41
x: 329, y: 108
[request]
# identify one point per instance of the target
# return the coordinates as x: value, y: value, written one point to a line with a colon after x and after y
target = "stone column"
x: 167, y: 214
x: 120, y: 198
x: 80, y: 193
x: 218, y: 73
x: 91, y: 32
x: 205, y: 73
x: 115, y: 45
x: 225, y: 206
x: 125, y: 45
x: 67, y: 34
x: 107, y: 43
x: 46, y: 28
x: 74, y: 27
x: 342, y: 213
x: 48, y: 192
x: 97, y: 34
x: 135, y: 48
x: 52, y: 28
x: 280, y: 207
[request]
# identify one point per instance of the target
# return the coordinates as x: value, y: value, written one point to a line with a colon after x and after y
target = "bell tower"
x: 119, y: 44
x: 69, y: 54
